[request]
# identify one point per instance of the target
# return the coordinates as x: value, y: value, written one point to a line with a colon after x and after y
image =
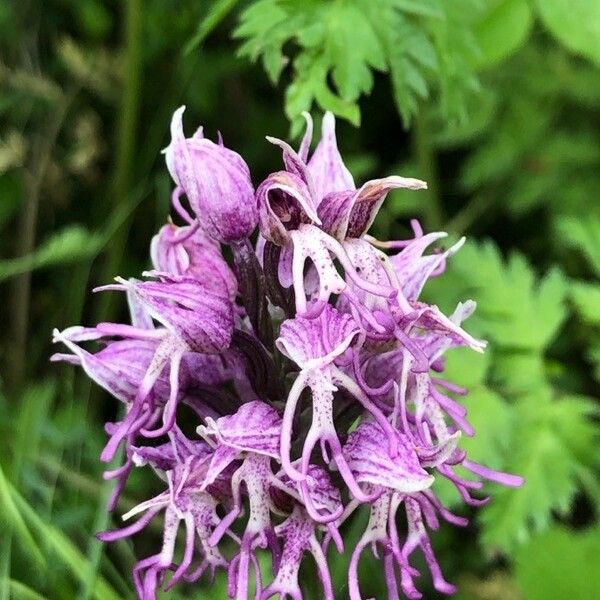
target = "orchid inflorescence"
x: 265, y: 441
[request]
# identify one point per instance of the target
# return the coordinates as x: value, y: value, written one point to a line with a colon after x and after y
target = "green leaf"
x: 12, y: 520
x: 333, y: 39
x: 583, y: 235
x: 216, y: 13
x: 336, y: 46
x: 265, y: 26
x: 533, y: 150
x: 20, y: 591
x: 492, y: 418
x: 575, y: 23
x: 423, y: 8
x: 71, y: 244
x: 502, y: 28
x: 34, y: 408
x: 312, y: 85
x: 410, y: 54
x: 586, y: 298
x: 577, y: 416
x: 457, y: 50
x: 481, y: 110
x: 517, y: 374
x: 515, y: 309
x: 354, y: 50
x: 465, y: 367
x: 560, y: 563
x: 68, y: 554
x: 553, y: 440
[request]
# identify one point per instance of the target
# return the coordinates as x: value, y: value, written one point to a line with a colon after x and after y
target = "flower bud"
x: 183, y: 252
x: 216, y: 181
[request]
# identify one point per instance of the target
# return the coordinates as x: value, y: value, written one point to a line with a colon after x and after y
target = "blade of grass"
x: 5, y: 556
x: 14, y: 521
x: 87, y: 485
x: 95, y: 548
x: 126, y: 141
x: 32, y: 414
x: 71, y: 244
x: 115, y: 574
x: 59, y: 543
x: 92, y: 489
x: 217, y: 12
x: 20, y: 591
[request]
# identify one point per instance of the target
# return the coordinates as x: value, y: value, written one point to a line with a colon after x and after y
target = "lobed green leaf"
x: 553, y: 440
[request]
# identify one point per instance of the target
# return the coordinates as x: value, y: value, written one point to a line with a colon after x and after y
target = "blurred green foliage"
x: 340, y: 43
x: 496, y: 103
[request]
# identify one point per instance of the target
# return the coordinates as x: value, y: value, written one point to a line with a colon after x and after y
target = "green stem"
x: 426, y: 159
x: 121, y: 190
x: 251, y: 281
x: 463, y: 220
x: 26, y: 234
x: 131, y: 97
x: 126, y: 145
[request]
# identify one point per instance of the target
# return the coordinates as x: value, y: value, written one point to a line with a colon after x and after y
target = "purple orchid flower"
x: 288, y: 216
x: 299, y: 534
x: 251, y: 435
x: 314, y: 345
x: 195, y: 318
x: 399, y: 480
x: 183, y: 464
x: 355, y: 338
x: 121, y: 366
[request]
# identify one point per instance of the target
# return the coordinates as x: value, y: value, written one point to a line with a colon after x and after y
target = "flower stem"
x: 426, y: 159
x: 126, y: 144
x: 251, y: 281
x: 21, y: 286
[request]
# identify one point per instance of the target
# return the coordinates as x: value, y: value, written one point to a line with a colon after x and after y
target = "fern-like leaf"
x: 553, y: 440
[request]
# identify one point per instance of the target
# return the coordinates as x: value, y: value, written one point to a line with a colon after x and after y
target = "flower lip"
x: 255, y: 427
x: 367, y: 454
x: 325, y: 497
x: 312, y: 343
